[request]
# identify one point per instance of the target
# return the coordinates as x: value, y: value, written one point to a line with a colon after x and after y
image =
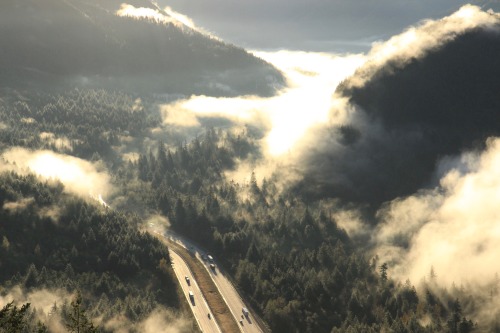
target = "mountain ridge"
x: 87, y: 43
x: 411, y: 116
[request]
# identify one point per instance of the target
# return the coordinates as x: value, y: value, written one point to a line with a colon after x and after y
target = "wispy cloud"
x: 162, y: 16
x: 78, y: 176
x: 306, y: 102
x: 16, y: 206
x: 417, y: 41
x: 160, y: 320
x: 453, y: 228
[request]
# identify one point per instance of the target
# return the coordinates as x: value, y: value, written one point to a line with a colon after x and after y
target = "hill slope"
x: 409, y: 117
x: 87, y: 43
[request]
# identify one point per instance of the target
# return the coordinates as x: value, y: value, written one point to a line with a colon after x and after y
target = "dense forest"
x: 287, y: 255
x: 55, y: 241
x: 299, y: 269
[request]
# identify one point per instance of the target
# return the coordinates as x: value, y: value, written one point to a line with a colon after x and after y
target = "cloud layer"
x: 165, y: 16
x: 78, y: 176
x: 416, y: 42
x: 454, y: 228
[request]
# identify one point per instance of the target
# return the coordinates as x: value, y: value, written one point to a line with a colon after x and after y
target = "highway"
x: 198, y: 304
x: 226, y: 289
x: 234, y: 301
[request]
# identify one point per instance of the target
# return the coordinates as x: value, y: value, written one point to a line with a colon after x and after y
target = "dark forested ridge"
x: 431, y: 107
x: 57, y: 43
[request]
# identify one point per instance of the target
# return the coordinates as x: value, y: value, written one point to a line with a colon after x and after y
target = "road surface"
x: 226, y: 289
x: 198, y: 305
x: 234, y: 301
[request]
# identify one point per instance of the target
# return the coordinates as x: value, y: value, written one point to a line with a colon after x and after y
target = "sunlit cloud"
x: 308, y: 100
x: 16, y: 206
x: 417, y: 41
x: 58, y: 142
x: 160, y: 320
x: 144, y: 13
x: 78, y: 176
x: 188, y: 22
x: 40, y: 300
x: 178, y: 116
x: 165, y: 16
x: 454, y: 228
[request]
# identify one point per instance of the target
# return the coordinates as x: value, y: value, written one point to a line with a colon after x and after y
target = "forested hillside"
x: 410, y: 116
x: 54, y: 241
x: 57, y: 43
x: 300, y: 271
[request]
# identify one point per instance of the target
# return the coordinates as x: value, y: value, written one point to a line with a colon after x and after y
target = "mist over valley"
x: 338, y: 191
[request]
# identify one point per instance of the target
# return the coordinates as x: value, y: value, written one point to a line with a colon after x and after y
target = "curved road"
x: 198, y: 304
x: 234, y: 301
x: 226, y: 289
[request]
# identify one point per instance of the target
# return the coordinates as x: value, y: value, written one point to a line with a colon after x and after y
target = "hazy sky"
x: 313, y: 25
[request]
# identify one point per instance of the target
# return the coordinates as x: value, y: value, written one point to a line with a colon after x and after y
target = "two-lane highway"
x: 197, y: 302
x: 234, y: 301
x: 226, y: 289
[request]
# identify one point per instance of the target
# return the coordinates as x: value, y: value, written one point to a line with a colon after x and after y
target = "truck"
x: 245, y: 312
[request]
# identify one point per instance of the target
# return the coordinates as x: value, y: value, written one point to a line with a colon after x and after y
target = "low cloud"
x: 41, y: 300
x: 164, y: 16
x: 161, y: 320
x: 453, y: 228
x: 61, y: 143
x: 16, y: 206
x: 312, y: 77
x: 127, y: 10
x: 78, y: 176
x: 175, y: 116
x: 416, y: 42
x: 157, y: 224
x: 164, y: 321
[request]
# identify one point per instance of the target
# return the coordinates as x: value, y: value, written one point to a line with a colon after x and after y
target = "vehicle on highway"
x: 212, y: 266
x: 210, y: 258
x: 188, y: 281
x: 241, y: 322
x: 209, y: 316
x: 191, y: 296
x: 245, y: 312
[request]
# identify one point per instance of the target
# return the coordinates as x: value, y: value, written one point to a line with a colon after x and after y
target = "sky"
x: 339, y: 26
